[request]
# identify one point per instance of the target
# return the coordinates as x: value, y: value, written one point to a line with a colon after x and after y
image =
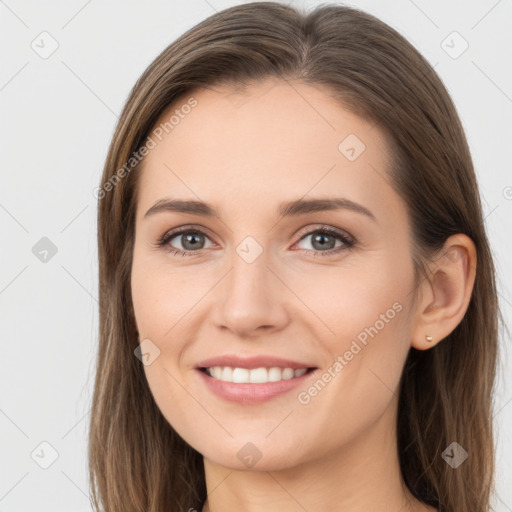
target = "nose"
x: 251, y: 300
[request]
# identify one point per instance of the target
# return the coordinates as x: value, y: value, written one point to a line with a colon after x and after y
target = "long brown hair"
x: 137, y: 462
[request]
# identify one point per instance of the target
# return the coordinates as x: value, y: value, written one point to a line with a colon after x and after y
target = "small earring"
x: 428, y: 338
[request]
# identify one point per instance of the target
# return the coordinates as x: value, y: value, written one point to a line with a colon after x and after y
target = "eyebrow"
x: 289, y: 209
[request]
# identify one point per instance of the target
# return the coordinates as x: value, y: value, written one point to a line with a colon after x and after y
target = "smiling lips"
x: 254, y: 379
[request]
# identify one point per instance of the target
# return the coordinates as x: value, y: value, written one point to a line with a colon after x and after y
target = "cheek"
x: 159, y: 305
x: 349, y: 299
x: 365, y: 316
x: 161, y: 296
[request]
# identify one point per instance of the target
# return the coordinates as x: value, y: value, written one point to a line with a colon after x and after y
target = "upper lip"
x: 252, y: 362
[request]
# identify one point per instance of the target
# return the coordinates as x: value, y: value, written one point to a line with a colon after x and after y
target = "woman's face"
x: 262, y: 280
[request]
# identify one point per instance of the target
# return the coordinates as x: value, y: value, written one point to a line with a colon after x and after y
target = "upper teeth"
x: 256, y: 375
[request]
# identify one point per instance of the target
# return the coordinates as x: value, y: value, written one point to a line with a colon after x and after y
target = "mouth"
x: 261, y: 375
x: 253, y: 379
x: 252, y: 386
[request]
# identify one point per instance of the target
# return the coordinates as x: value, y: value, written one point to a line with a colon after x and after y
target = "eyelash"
x: 348, y: 241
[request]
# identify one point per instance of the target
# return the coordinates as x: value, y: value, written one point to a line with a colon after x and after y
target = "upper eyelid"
x: 302, y: 233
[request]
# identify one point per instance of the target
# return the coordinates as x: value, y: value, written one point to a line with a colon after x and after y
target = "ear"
x: 446, y: 294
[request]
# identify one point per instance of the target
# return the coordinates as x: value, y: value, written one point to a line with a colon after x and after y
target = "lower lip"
x: 248, y: 393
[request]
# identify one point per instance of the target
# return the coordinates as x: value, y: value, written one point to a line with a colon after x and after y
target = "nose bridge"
x: 249, y: 297
x: 249, y: 274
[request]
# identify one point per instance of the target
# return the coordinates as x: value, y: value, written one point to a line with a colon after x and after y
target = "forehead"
x: 269, y: 140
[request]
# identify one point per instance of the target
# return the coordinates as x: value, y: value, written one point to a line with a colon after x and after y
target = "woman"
x: 298, y: 302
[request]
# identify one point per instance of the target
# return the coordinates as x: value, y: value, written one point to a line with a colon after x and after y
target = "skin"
x: 246, y: 152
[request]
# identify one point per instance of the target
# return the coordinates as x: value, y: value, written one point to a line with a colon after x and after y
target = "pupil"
x: 187, y: 241
x: 321, y: 240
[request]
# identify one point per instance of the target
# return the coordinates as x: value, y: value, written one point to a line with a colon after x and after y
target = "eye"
x: 324, y: 239
x: 191, y: 240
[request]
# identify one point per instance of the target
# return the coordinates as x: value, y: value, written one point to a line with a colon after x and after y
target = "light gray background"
x: 57, y: 117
